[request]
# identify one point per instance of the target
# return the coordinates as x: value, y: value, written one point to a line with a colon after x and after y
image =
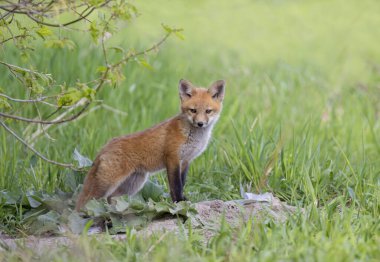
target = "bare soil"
x: 208, y: 220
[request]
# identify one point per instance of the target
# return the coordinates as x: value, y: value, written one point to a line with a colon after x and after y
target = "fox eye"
x: 192, y: 110
x: 208, y: 111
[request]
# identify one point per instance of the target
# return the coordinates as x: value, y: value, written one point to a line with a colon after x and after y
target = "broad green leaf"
x: 9, y: 198
x: 152, y: 190
x: 33, y: 200
x: 96, y: 208
x: 76, y: 223
x: 121, y: 205
x: 82, y: 160
x: 45, y: 223
x: 51, y: 216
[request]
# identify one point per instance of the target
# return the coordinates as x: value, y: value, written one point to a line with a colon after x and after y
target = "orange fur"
x: 123, y: 164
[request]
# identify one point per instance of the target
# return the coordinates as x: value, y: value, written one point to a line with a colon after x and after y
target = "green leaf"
x: 33, y: 200
x: 117, y: 49
x: 73, y: 95
x: 87, y: 227
x: 94, y: 31
x: 44, y: 31
x: 95, y: 2
x: 101, y: 69
x: 179, y: 35
x: 115, y: 76
x: 60, y: 43
x: 167, y: 28
x: 152, y: 190
x: 82, y: 160
x: 70, y: 97
x: 9, y: 198
x: 121, y: 205
x: 45, y: 223
x: 76, y: 223
x: 351, y: 193
x: 144, y: 63
x: 4, y: 104
x: 96, y: 208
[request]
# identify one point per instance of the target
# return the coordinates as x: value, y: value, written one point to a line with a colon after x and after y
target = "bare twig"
x: 34, y: 150
x: 61, y: 25
x: 44, y: 122
x: 42, y: 98
x: 13, y: 37
x: 29, y: 12
x: 17, y: 68
x: 34, y: 136
x: 39, y: 100
x: 154, y: 47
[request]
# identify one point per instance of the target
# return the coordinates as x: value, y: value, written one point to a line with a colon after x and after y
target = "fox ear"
x: 185, y: 89
x: 217, y: 90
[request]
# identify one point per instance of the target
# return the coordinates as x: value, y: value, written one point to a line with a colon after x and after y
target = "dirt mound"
x: 208, y: 220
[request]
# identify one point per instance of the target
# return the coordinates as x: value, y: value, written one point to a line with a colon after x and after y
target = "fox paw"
x: 183, y: 198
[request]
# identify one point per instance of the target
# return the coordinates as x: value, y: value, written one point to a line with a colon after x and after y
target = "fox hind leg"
x: 101, y: 182
x: 92, y: 188
x: 130, y: 185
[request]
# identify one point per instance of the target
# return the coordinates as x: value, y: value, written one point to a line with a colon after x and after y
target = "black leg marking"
x: 175, y: 183
x: 185, y: 169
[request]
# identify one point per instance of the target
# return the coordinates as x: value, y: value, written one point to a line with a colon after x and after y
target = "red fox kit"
x: 123, y: 164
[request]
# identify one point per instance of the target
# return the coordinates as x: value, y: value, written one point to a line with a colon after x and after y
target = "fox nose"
x: 200, y: 124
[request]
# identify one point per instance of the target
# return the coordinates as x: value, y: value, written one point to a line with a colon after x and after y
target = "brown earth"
x: 210, y: 215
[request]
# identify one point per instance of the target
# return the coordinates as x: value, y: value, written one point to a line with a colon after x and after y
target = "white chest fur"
x: 196, y: 143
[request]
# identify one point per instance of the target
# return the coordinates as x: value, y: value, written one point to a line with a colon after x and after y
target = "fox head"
x: 201, y: 106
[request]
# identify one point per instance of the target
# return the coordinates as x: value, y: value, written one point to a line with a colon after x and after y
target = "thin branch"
x: 13, y: 37
x: 154, y: 47
x: 60, y: 25
x: 42, y: 126
x: 81, y: 14
x: 38, y: 100
x: 27, y: 100
x: 14, y: 67
x: 44, y: 122
x: 31, y: 138
x: 7, y: 14
x: 9, y: 30
x: 34, y: 150
x: 25, y: 9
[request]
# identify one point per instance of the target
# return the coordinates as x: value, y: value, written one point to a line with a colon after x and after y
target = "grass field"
x: 301, y: 119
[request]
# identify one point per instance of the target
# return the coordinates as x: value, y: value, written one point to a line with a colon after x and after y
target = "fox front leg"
x: 184, y: 169
x: 175, y: 181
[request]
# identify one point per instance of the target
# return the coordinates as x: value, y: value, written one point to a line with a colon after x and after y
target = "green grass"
x: 302, y: 101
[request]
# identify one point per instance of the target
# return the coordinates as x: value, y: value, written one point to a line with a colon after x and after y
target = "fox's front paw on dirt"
x: 183, y: 198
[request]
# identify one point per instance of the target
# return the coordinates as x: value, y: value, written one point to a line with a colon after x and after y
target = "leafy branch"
x: 70, y: 102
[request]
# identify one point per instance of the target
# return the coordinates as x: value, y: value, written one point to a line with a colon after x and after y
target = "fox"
x: 123, y: 165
